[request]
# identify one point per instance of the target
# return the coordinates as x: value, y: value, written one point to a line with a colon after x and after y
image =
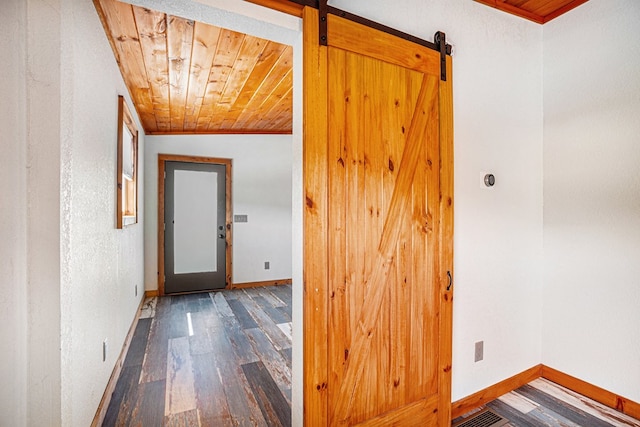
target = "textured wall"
x: 100, y: 265
x: 43, y: 84
x: 13, y: 214
x: 592, y: 195
x: 261, y: 189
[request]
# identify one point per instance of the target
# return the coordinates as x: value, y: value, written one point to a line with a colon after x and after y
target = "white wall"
x: 497, y: 75
x: 42, y: 82
x: 13, y: 214
x: 592, y: 195
x: 69, y: 273
x: 100, y: 265
x: 261, y: 189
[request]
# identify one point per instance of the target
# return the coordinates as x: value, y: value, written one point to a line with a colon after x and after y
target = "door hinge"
x: 164, y: 226
x: 440, y: 40
x: 165, y: 174
x: 323, y: 11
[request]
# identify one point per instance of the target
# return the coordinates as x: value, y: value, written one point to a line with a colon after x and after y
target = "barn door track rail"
x: 439, y: 44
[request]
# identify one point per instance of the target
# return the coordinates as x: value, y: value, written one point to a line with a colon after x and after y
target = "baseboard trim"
x: 466, y: 404
x: 607, y: 398
x: 152, y: 293
x: 256, y: 284
x: 115, y: 374
x: 610, y: 399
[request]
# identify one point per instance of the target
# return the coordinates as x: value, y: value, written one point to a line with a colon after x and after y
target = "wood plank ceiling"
x: 189, y: 77
x: 539, y: 11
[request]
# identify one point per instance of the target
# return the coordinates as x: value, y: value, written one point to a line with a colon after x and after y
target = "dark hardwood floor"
x: 210, y: 359
x: 224, y: 359
x: 542, y: 403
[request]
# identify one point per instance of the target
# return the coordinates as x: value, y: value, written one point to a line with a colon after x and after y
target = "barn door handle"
x: 450, y: 280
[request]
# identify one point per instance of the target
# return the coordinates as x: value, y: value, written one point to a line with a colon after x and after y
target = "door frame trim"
x: 162, y: 159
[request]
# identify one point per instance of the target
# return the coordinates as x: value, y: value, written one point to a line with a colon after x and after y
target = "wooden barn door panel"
x: 374, y: 304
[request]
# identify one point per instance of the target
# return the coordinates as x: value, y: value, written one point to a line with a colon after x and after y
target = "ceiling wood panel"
x: 179, y: 41
x: 281, y: 66
x: 153, y: 42
x: 191, y: 77
x: 539, y: 11
x: 204, y: 50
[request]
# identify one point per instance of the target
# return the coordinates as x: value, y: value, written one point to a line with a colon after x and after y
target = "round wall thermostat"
x: 489, y: 180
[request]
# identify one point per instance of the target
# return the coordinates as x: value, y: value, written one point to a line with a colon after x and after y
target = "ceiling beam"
x: 528, y: 14
x: 285, y: 6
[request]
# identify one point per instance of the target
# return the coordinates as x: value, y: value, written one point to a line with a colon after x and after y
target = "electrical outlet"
x: 104, y: 350
x: 266, y: 265
x: 479, y: 351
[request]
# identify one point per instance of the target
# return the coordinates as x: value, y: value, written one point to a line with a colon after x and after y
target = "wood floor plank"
x: 286, y: 353
x: 178, y: 318
x: 200, y: 341
x: 264, y: 322
x: 241, y: 403
x: 154, y: 366
x: 210, y: 392
x: 192, y: 303
x: 590, y: 406
x: 227, y: 338
x: 266, y: 293
x: 274, y: 406
x: 286, y: 328
x: 242, y: 349
x: 274, y: 361
x: 135, y: 355
x: 241, y: 313
x: 519, y: 402
x: 513, y: 415
x: 283, y: 293
x: 123, y: 398
x: 550, y: 418
x: 563, y: 408
x: 277, y: 316
x: 180, y: 393
x: 221, y: 304
x: 240, y: 398
x: 286, y: 311
x: 149, y: 407
x: 231, y: 294
x: 183, y: 419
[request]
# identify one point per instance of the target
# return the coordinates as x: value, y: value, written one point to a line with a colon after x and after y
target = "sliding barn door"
x: 378, y: 230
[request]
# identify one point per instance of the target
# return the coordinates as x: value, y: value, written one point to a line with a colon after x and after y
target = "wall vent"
x: 485, y: 418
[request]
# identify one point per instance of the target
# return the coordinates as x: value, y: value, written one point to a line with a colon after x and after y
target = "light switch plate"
x: 241, y: 218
